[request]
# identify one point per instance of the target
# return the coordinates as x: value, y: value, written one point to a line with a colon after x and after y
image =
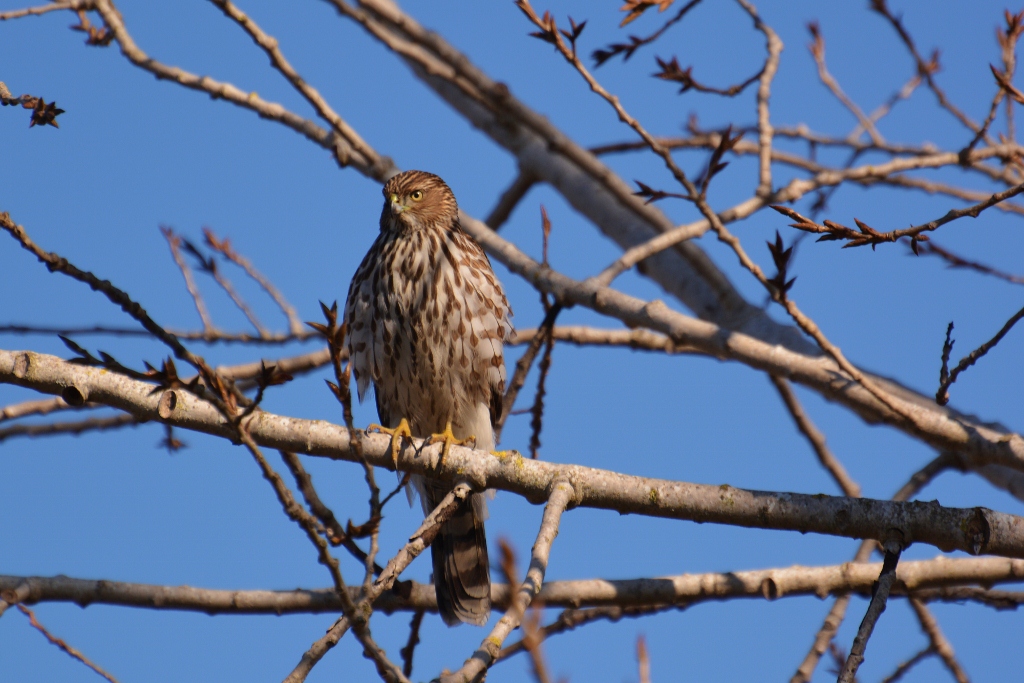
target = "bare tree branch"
x: 562, y: 494
x: 940, y: 579
x: 174, y: 242
x: 879, y: 596
x: 975, y: 530
x: 60, y: 643
x: 43, y: 9
x: 817, y: 440
x: 937, y: 640
x: 942, y: 395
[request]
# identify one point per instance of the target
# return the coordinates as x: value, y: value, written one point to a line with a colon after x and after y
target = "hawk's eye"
x: 416, y: 195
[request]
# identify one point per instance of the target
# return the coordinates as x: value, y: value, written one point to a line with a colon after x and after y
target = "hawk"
x: 427, y: 319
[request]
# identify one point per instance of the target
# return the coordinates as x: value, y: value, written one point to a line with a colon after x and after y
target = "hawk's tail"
x: 462, y: 577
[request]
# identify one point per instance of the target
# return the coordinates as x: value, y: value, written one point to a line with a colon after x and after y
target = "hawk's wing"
x: 358, y: 313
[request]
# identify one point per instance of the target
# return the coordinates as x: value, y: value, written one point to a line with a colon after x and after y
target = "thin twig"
x: 906, y: 666
x: 188, y: 335
x: 866, y: 235
x: 937, y: 640
x: 59, y: 642
x: 956, y: 261
x: 174, y: 242
x: 73, y: 5
x: 815, y: 438
x: 581, y: 335
x: 879, y: 597
x: 336, y: 533
x: 523, y: 366
x: 477, y: 665
x: 817, y: 48
x: 316, y: 651
x: 537, y: 409
x: 572, y: 618
x: 942, y: 395
x: 223, y: 247
x: 883, y: 109
x: 643, y: 661
x: 996, y: 599
x: 43, y: 406
x: 509, y: 199
x: 765, y: 130
x: 835, y: 616
x: 602, y: 55
x: 532, y: 634
x: 92, y: 424
x: 414, y: 639
x: 209, y: 265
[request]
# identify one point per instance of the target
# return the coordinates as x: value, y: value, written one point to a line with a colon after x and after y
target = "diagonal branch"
x: 344, y: 153
x: 509, y: 199
x: 562, y: 494
x: 74, y: 653
x: 223, y: 247
x: 174, y: 242
x: 837, y: 613
x: 269, y: 45
x: 817, y: 48
x: 879, y: 596
x: 927, y: 424
x: 814, y: 436
x: 937, y: 640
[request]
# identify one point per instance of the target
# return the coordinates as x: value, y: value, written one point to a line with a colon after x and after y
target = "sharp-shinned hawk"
x: 427, y: 319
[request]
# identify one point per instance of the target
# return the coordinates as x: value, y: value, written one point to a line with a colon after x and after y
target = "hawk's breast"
x: 427, y: 321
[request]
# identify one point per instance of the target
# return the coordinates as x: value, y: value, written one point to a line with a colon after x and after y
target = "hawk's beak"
x: 396, y: 207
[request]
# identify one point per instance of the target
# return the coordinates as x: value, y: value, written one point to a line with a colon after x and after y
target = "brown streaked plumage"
x: 427, y: 319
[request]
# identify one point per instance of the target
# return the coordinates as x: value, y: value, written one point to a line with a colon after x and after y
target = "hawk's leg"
x: 448, y: 439
x: 396, y: 437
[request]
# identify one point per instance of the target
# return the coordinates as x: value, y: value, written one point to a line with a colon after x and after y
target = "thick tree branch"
x: 974, y: 530
x: 941, y: 579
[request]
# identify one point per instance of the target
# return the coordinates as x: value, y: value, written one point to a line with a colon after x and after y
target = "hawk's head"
x: 414, y: 200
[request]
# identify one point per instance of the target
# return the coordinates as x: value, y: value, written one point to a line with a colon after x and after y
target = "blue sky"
x: 133, y: 153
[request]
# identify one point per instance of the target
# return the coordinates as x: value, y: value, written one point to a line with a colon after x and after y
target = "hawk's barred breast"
x: 427, y: 320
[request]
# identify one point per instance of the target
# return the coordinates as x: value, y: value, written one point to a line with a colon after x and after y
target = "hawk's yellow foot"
x: 396, y: 437
x: 448, y: 439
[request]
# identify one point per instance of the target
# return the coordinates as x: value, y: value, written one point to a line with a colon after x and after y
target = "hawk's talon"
x: 448, y: 439
x: 396, y: 437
